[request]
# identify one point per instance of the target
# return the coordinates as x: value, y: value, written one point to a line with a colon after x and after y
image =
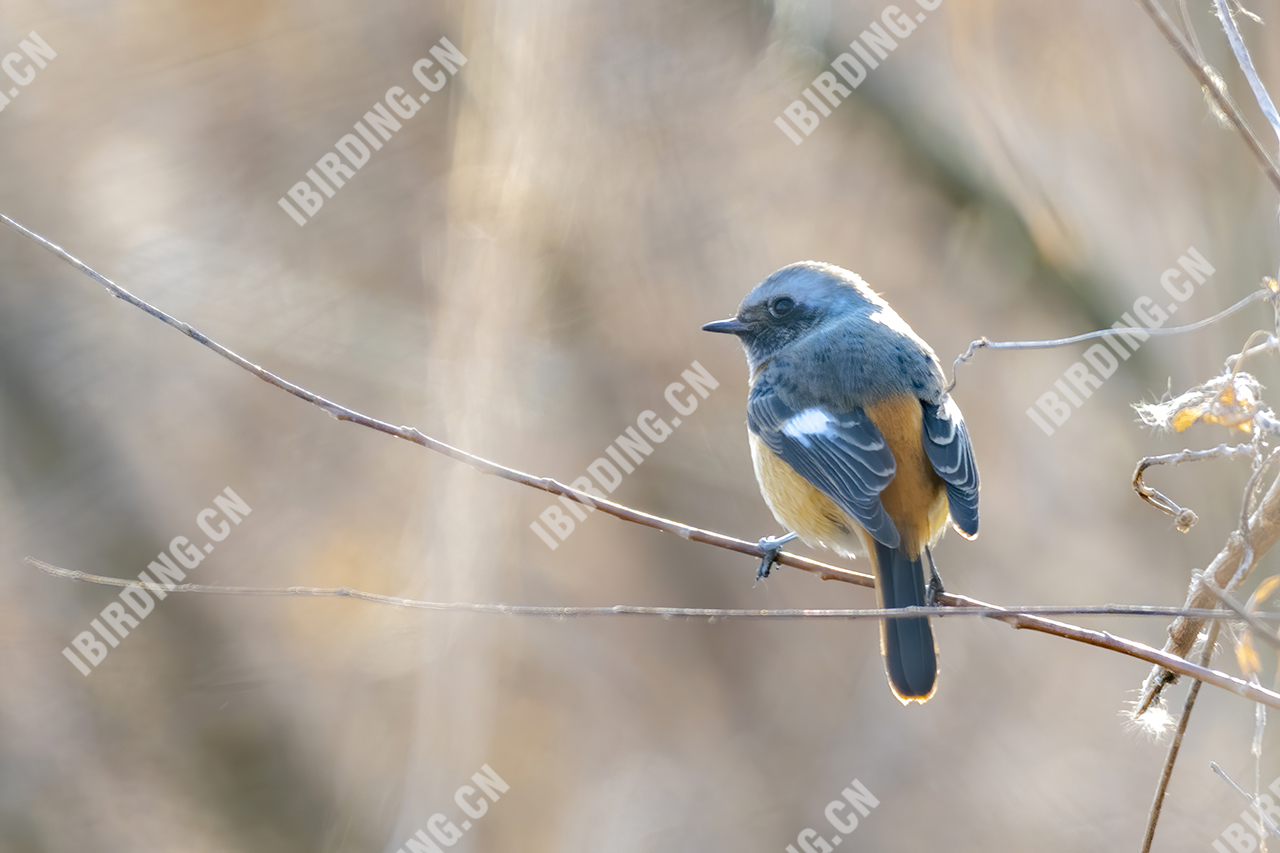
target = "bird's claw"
x: 772, y: 546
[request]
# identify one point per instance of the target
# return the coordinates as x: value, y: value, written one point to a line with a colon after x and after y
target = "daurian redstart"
x: 856, y: 444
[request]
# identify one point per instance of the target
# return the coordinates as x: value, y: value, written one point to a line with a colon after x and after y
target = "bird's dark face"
x: 791, y: 303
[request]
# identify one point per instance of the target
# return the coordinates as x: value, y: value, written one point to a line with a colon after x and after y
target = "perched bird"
x: 856, y: 444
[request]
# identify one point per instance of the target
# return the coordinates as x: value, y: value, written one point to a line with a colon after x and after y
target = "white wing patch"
x: 807, y: 423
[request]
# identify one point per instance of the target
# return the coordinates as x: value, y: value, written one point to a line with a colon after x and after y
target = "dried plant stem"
x: 1226, y: 571
x: 1157, y: 803
x: 1213, y: 88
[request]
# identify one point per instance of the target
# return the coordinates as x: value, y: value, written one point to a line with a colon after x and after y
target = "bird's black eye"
x: 782, y: 305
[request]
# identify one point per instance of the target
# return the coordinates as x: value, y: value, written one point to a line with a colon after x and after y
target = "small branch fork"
x: 1183, y: 518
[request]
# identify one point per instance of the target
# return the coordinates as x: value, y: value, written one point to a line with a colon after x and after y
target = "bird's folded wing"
x: 946, y: 443
x: 841, y: 453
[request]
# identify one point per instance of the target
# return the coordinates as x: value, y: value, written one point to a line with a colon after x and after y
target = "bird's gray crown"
x: 798, y: 299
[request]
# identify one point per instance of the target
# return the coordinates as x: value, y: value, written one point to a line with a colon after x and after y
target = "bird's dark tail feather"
x: 907, y: 644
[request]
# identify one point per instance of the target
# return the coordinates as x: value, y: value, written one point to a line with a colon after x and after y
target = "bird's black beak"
x: 732, y: 326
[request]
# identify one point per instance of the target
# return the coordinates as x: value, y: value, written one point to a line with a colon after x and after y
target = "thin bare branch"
x: 1106, y: 640
x: 1241, y: 51
x: 1228, y: 601
x: 1036, y: 623
x: 953, y: 605
x: 984, y: 343
x: 1231, y: 566
x: 1271, y: 344
x: 1214, y: 88
x: 484, y: 466
x: 693, y: 612
x: 1268, y: 822
x: 1157, y: 803
x: 1184, y: 518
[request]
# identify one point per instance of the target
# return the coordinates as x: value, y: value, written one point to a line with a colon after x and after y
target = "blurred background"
x: 521, y: 271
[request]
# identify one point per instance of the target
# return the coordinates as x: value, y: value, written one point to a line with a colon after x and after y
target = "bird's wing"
x: 946, y: 443
x: 841, y: 453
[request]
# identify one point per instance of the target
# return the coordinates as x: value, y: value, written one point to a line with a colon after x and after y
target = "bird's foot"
x: 772, y: 546
x: 935, y: 581
x: 935, y: 589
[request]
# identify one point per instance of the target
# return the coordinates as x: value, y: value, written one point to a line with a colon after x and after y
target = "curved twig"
x: 1184, y: 518
x: 985, y: 343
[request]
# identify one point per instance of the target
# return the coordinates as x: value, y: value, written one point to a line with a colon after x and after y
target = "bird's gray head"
x: 793, y: 302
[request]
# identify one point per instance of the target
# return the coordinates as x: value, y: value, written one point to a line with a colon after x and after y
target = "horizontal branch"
x: 956, y: 605
x: 485, y: 466
x: 558, y: 611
